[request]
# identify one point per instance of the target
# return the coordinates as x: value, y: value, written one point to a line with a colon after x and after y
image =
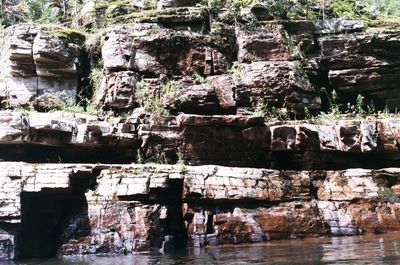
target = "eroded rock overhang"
x: 228, y: 140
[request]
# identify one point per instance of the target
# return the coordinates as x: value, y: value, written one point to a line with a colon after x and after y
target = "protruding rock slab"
x: 228, y: 140
x: 60, y: 136
x: 246, y: 141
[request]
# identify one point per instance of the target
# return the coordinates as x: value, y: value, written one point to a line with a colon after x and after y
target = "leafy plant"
x: 159, y: 158
x: 294, y: 47
x: 39, y: 11
x: 270, y: 113
x: 236, y: 69
x: 151, y: 98
x: 139, y: 157
x: 7, y: 18
x: 95, y: 76
x: 343, y: 8
x: 199, y: 79
x: 385, y: 7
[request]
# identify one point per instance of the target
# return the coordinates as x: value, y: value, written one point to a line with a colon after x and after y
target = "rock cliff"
x: 157, y: 125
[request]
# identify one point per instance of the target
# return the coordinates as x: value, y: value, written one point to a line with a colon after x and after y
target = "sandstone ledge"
x: 227, y: 140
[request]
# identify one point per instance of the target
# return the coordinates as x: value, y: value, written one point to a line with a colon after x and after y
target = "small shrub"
x: 385, y: 7
x: 160, y: 158
x: 236, y: 69
x: 139, y: 157
x: 271, y: 113
x: 95, y: 76
x: 151, y: 99
x: 294, y: 47
x: 199, y: 79
x: 6, y: 17
x: 39, y: 11
x: 343, y: 8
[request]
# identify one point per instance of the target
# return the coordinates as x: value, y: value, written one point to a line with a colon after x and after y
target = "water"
x: 373, y: 249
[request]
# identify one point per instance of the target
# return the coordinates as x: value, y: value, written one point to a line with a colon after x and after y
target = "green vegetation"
x: 159, y: 158
x: 352, y: 111
x: 386, y: 194
x: 95, y: 76
x: 236, y: 69
x: 80, y: 107
x: 344, y: 8
x: 199, y: 79
x: 355, y: 111
x: 386, y: 7
x: 69, y: 35
x: 39, y: 11
x: 294, y: 47
x: 6, y: 16
x: 271, y: 113
x: 111, y: 12
x: 150, y: 97
x: 139, y: 157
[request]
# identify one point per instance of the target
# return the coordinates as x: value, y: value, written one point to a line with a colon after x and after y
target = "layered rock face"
x: 62, y: 137
x: 287, y: 65
x: 229, y: 140
x: 199, y: 66
x: 92, y: 209
x: 39, y: 62
x: 186, y: 155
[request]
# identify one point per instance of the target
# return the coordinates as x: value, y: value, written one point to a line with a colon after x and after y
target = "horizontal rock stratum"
x: 100, y: 208
x: 228, y: 140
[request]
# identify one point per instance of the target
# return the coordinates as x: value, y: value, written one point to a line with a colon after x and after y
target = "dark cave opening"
x: 48, y: 218
x: 175, y: 223
x: 66, y: 153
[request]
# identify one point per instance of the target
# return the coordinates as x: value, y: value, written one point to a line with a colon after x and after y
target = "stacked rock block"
x: 215, y: 68
x: 220, y: 68
x: 38, y: 62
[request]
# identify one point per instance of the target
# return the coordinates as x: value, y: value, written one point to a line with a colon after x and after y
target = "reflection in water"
x: 383, y: 249
x: 374, y: 249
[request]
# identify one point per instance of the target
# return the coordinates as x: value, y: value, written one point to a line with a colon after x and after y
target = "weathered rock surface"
x: 247, y: 141
x: 337, y: 54
x: 117, y: 90
x: 364, y: 63
x: 280, y: 84
x: 131, y: 208
x: 64, y: 137
x: 268, y: 43
x: 230, y: 140
x: 153, y: 49
x: 37, y: 60
x: 360, y: 63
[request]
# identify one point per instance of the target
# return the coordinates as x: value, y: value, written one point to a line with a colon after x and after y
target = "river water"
x: 372, y: 249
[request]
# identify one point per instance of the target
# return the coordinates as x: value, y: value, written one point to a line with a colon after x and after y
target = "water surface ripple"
x: 372, y: 249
